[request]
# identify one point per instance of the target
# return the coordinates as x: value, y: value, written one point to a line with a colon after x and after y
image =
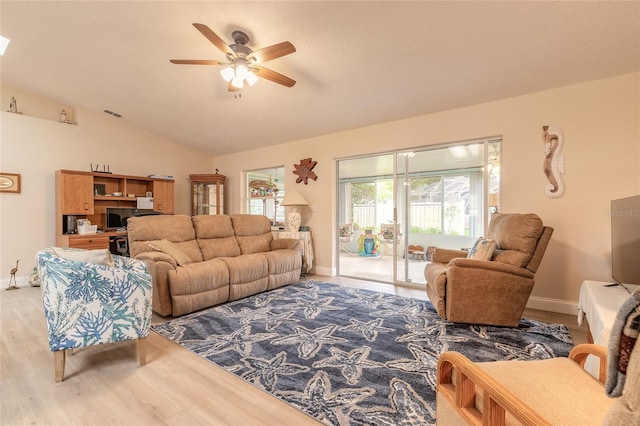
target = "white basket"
x: 87, y: 229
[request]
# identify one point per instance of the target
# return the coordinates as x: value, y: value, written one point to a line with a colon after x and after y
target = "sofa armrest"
x: 580, y: 352
x: 445, y: 256
x: 489, y: 265
x: 460, y: 392
x: 159, y: 265
x: 287, y: 243
x: 156, y: 256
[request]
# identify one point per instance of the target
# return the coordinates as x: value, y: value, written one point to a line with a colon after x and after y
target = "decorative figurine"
x: 63, y: 116
x: 13, y: 105
x: 13, y: 286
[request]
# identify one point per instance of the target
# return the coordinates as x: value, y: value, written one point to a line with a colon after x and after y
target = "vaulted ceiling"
x: 357, y: 63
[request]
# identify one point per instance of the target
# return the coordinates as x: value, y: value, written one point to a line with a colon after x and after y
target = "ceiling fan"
x: 242, y: 62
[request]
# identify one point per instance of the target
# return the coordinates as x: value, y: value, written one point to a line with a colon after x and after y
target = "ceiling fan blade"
x: 272, y: 52
x: 194, y: 62
x: 271, y: 75
x: 214, y: 38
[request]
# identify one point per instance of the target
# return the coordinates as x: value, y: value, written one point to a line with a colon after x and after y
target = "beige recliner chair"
x: 495, y: 291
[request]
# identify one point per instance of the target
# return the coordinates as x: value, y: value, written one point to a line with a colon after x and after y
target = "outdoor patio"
x: 381, y: 268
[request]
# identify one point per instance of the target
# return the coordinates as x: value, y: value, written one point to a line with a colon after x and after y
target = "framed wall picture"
x: 9, y: 182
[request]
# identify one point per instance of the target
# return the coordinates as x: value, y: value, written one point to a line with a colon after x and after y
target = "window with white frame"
x: 264, y: 193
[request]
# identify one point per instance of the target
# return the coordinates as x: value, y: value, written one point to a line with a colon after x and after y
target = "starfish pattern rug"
x: 350, y: 356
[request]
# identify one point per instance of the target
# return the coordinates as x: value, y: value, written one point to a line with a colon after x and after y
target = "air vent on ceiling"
x: 115, y: 114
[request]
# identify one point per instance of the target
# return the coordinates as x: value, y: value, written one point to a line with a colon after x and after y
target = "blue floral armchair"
x: 90, y: 298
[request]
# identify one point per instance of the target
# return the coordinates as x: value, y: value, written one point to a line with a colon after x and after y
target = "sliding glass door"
x: 407, y: 202
x: 366, y: 192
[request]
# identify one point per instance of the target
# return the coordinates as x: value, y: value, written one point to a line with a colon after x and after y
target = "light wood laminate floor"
x: 105, y: 386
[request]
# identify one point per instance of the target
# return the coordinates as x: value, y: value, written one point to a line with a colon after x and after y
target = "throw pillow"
x: 626, y: 410
x: 624, y: 335
x: 97, y: 257
x: 167, y: 247
x: 482, y: 249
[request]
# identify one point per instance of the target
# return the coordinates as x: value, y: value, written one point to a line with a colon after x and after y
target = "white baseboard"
x: 553, y: 305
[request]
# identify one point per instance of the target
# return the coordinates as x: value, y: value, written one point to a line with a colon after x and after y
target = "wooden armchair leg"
x: 58, y: 361
x: 142, y: 350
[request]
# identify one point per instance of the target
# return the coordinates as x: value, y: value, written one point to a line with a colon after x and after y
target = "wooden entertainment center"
x: 86, y: 195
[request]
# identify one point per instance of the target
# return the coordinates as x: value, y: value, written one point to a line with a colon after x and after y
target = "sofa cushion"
x: 253, y: 233
x: 516, y: 236
x: 215, y: 236
x: 198, y: 286
x: 248, y: 274
x: 175, y: 228
x: 166, y: 246
x: 567, y: 387
x: 199, y: 277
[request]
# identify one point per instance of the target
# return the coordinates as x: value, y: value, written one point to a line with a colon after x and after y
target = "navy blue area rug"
x: 350, y: 356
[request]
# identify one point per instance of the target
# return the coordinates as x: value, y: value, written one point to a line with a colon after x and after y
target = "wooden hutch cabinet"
x: 207, y: 194
x: 163, y: 196
x: 76, y: 193
x: 87, y: 195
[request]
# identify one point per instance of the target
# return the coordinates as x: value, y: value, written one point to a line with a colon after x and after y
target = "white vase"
x: 293, y: 221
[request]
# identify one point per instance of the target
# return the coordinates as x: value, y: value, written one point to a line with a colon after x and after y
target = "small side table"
x: 307, y: 242
x: 599, y: 304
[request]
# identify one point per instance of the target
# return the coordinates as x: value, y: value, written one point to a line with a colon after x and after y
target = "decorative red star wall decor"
x: 304, y: 170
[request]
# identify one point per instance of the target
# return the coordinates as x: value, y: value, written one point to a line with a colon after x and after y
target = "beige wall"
x: 36, y: 147
x: 600, y: 120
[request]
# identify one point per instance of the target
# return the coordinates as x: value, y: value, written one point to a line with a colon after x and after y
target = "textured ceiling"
x: 357, y: 63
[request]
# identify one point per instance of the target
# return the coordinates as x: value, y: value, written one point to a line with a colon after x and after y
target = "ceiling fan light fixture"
x: 241, y: 60
x: 4, y: 43
x: 228, y: 73
x: 237, y: 82
x: 241, y: 72
x: 251, y: 78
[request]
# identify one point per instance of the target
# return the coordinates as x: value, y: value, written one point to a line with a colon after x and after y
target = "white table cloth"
x: 599, y: 305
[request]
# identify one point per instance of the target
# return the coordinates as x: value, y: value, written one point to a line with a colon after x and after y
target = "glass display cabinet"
x: 207, y: 194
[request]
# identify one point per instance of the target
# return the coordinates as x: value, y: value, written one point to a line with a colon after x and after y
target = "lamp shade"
x: 228, y: 73
x: 237, y: 82
x: 293, y: 198
x: 251, y: 78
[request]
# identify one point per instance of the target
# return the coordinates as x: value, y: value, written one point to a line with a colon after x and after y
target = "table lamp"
x: 293, y: 198
x: 494, y: 203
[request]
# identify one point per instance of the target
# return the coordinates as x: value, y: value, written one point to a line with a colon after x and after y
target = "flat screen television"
x: 625, y: 240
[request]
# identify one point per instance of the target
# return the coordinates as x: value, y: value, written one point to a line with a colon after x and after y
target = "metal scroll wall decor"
x: 553, y: 165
